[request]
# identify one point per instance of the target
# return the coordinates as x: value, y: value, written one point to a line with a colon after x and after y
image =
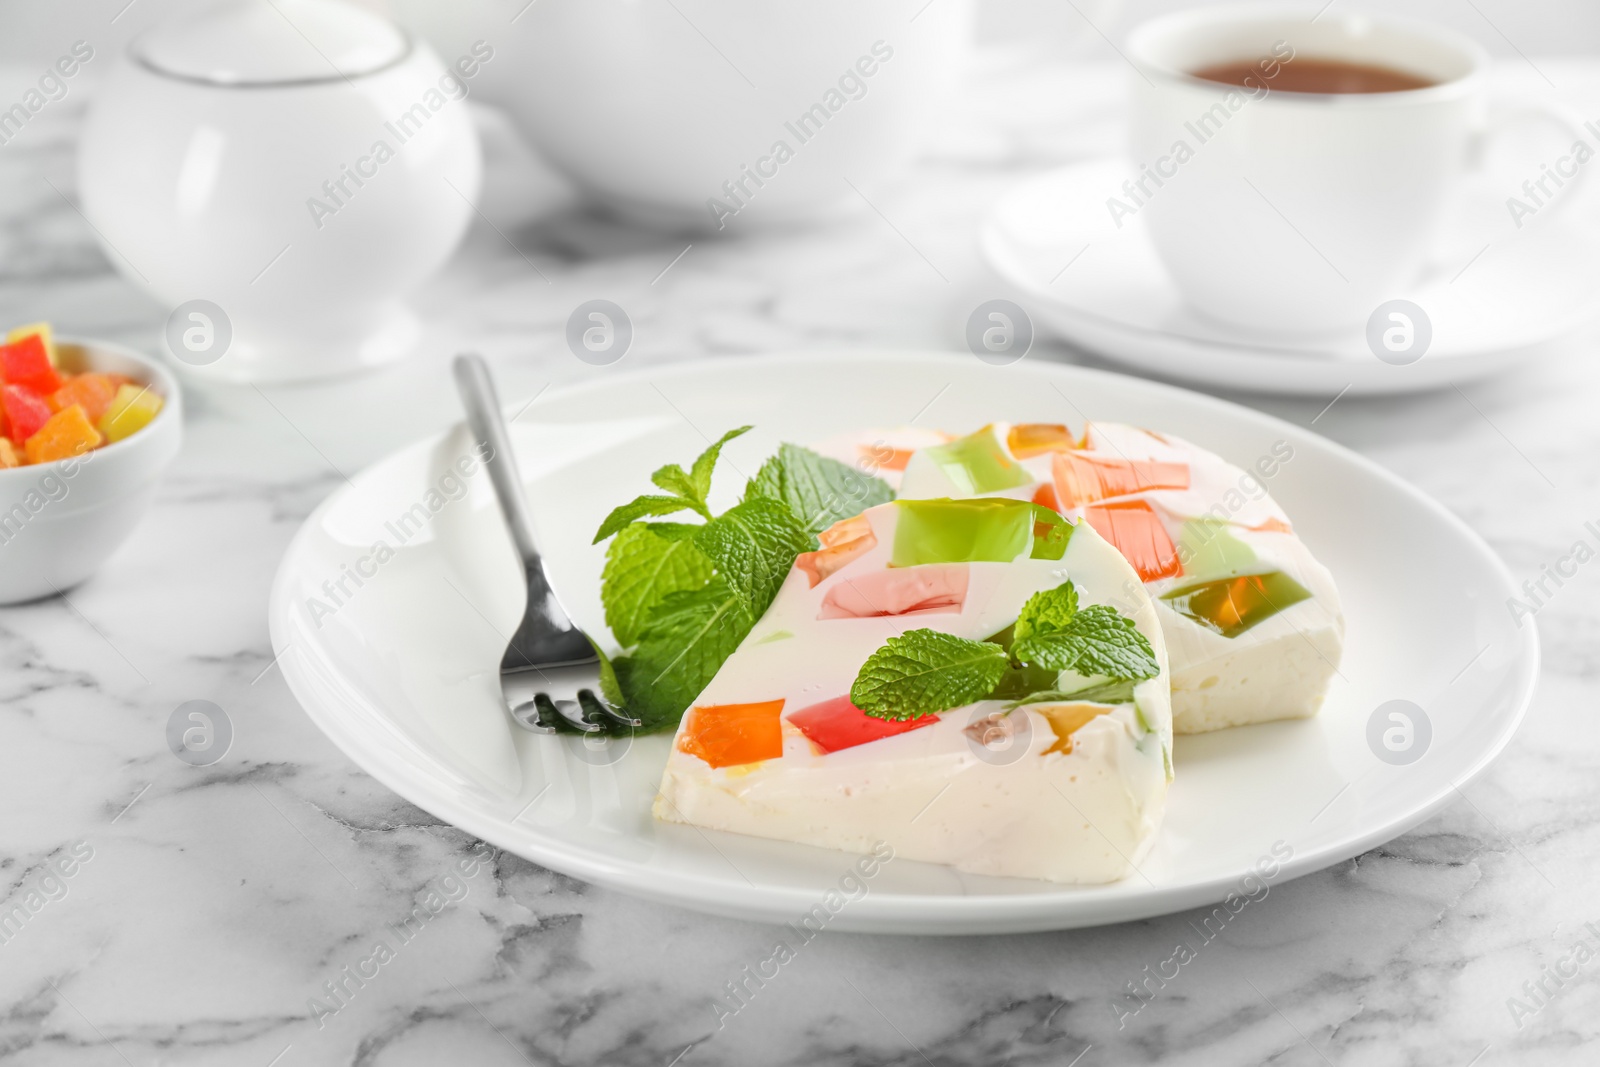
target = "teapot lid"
x: 273, y: 42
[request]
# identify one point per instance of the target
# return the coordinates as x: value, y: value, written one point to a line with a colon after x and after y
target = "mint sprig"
x: 922, y: 672
x: 683, y: 595
x: 686, y: 491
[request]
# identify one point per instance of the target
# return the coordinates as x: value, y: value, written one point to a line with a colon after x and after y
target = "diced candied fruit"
x: 1067, y: 719
x: 1045, y: 497
x: 728, y: 735
x: 8, y: 454
x: 837, y: 723
x: 886, y: 458
x: 842, y: 542
x: 977, y: 464
x: 1088, y: 479
x: 25, y: 412
x: 93, y: 391
x: 1135, y: 530
x: 935, y: 589
x: 68, y: 433
x: 1027, y: 439
x: 26, y: 362
x: 994, y: 529
x: 1233, y: 605
x: 40, y: 330
x: 131, y: 411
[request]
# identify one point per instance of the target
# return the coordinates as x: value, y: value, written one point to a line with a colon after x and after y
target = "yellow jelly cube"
x: 8, y: 455
x: 131, y: 411
x: 68, y: 433
x: 43, y: 330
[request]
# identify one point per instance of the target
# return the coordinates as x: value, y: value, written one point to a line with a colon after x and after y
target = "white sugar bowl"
x: 291, y: 168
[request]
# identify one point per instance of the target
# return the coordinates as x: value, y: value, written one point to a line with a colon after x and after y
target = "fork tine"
x: 529, y: 715
x: 598, y: 711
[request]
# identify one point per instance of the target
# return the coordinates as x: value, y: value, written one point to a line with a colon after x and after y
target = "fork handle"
x: 488, y: 426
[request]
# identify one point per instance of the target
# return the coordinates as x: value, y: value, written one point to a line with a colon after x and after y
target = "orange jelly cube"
x: 1134, y: 529
x: 1086, y: 479
x: 93, y: 391
x: 8, y: 454
x: 841, y: 543
x: 68, y: 433
x: 728, y: 735
x: 1036, y: 438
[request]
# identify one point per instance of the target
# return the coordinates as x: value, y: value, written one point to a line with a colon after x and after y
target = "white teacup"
x: 1293, y: 212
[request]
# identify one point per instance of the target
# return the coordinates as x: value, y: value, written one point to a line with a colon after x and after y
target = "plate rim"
x: 883, y: 911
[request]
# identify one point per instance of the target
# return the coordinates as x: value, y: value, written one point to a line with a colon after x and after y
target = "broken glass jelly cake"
x: 1253, y: 624
x: 977, y: 682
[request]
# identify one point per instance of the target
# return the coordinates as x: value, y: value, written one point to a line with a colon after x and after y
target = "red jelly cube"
x: 27, y: 363
x: 25, y: 412
x: 837, y: 723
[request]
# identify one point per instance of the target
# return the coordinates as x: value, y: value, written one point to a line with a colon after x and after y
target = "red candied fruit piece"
x: 25, y: 412
x: 836, y: 724
x: 27, y: 363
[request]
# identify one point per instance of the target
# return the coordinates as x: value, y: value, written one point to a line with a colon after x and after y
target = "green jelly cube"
x: 993, y: 529
x: 977, y: 464
x: 1230, y: 606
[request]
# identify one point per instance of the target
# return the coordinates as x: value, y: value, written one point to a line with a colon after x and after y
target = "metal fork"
x: 546, y: 674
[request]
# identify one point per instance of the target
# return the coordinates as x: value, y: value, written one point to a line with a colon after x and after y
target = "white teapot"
x: 297, y: 164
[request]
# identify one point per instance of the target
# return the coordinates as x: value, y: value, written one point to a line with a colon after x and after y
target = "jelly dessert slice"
x: 1028, y: 439
x: 26, y: 362
x: 729, y: 735
x: 1230, y: 606
x: 837, y: 724
x: 1133, y: 529
x: 986, y: 529
x: 25, y: 412
x: 841, y: 543
x: 131, y: 411
x: 977, y: 464
x: 1082, y: 479
x: 938, y: 588
x: 68, y: 433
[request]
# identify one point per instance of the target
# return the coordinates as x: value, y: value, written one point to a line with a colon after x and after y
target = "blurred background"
x: 1550, y: 27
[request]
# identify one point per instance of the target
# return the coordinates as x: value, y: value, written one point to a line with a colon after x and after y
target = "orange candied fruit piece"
x: 8, y: 455
x: 729, y: 735
x: 1087, y: 479
x: 92, y: 391
x: 1134, y: 529
x: 68, y: 433
x: 1045, y: 497
x: 842, y: 542
x: 1027, y: 439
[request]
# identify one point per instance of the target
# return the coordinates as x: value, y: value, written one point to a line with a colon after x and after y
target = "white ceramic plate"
x: 400, y: 670
x: 1499, y: 298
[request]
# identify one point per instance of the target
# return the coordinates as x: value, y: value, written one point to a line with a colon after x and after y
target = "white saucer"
x: 1502, y: 297
x: 400, y: 668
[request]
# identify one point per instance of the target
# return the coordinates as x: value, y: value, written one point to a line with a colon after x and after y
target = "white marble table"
x: 216, y: 903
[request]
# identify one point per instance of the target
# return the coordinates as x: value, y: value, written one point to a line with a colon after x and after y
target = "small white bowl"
x: 59, y: 521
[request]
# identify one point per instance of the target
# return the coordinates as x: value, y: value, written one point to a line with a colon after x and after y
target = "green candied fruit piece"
x: 993, y: 529
x: 1230, y: 606
x: 977, y: 464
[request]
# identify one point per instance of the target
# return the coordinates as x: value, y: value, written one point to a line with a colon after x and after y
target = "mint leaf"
x: 753, y: 545
x: 686, y: 640
x: 672, y: 531
x: 925, y: 671
x: 820, y: 491
x: 641, y: 569
x: 674, y: 480
x: 700, y: 473
x: 1097, y: 641
x: 639, y: 508
x: 1047, y: 611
